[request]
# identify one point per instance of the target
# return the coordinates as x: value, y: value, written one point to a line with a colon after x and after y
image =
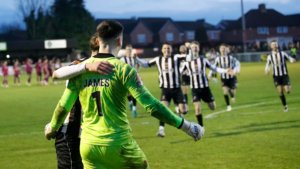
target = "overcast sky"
x: 211, y: 10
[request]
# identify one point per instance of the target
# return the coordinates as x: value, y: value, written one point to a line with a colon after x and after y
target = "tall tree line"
x: 60, y: 19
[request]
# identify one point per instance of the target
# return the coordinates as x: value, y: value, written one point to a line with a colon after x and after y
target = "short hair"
x: 223, y: 44
x: 128, y: 45
x: 94, y: 45
x: 195, y: 42
x: 109, y: 29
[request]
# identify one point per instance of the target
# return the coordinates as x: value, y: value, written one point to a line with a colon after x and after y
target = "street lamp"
x: 243, y: 27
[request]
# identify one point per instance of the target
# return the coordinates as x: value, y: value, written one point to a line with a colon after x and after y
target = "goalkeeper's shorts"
x: 127, y: 155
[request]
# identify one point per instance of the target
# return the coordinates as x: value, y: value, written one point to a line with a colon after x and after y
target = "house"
x: 262, y: 26
x: 154, y: 31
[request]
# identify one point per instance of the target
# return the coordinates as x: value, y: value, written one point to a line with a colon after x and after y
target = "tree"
x: 72, y: 20
x: 35, y: 16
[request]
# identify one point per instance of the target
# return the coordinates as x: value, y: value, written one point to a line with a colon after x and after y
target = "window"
x: 282, y: 29
x: 141, y: 38
x: 263, y: 30
x: 213, y: 35
x: 190, y: 35
x: 169, y: 37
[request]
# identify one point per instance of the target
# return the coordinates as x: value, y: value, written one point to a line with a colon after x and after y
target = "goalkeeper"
x: 106, y: 139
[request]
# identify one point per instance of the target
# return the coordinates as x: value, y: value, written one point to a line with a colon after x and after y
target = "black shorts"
x: 281, y: 80
x: 202, y: 94
x: 185, y: 80
x: 175, y: 94
x: 230, y: 83
x: 67, y: 152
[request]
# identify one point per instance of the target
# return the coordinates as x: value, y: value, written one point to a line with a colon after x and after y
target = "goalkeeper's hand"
x: 50, y: 133
x: 193, y: 129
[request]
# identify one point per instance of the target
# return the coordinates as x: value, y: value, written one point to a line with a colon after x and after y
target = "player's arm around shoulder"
x: 67, y: 72
x: 62, y: 109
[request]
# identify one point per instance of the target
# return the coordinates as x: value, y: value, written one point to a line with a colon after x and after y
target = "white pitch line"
x: 21, y: 134
x: 212, y: 115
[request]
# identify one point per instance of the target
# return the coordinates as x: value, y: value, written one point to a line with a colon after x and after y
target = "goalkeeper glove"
x: 49, y: 132
x: 193, y: 129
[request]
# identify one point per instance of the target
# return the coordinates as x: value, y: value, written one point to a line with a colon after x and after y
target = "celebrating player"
x: 131, y: 59
x: 198, y: 80
x: 105, y: 129
x: 229, y: 81
x: 169, y: 80
x: 280, y: 72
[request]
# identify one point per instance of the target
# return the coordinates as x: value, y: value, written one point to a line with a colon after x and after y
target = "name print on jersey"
x: 96, y: 82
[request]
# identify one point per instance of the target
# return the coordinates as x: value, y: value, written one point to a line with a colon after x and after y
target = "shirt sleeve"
x: 237, y: 65
x: 267, y: 68
x: 135, y: 86
x: 213, y: 67
x: 152, y: 61
x: 288, y: 57
x: 142, y: 62
x: 68, y: 72
x: 64, y: 105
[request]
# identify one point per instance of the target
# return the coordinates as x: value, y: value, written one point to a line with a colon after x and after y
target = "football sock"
x: 133, y: 101
x: 161, y: 123
x: 227, y: 100
x: 200, y: 119
x: 231, y: 94
x: 129, y: 98
x: 283, y: 101
x: 186, y: 98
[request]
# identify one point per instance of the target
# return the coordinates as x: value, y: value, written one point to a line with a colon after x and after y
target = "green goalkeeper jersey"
x: 104, y: 99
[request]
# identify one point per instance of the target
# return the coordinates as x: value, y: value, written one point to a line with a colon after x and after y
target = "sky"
x: 211, y: 10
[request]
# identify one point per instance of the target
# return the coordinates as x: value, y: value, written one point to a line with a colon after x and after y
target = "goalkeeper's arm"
x: 160, y: 111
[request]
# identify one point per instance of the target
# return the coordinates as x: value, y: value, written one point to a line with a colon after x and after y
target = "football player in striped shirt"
x: 199, y: 82
x: 131, y: 59
x: 185, y: 78
x: 168, y: 66
x: 281, y: 79
x: 229, y: 80
x: 105, y: 129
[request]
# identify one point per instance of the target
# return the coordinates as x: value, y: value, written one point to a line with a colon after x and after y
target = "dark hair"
x: 223, y: 44
x: 108, y: 30
x: 195, y: 42
x: 94, y: 45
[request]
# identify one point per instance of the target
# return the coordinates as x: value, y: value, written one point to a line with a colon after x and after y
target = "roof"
x: 193, y: 25
x: 261, y: 17
x: 154, y: 24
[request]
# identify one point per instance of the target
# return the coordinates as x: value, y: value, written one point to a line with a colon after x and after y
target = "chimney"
x: 262, y: 8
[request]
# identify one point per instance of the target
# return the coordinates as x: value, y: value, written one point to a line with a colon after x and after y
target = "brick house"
x: 262, y: 26
x: 154, y: 31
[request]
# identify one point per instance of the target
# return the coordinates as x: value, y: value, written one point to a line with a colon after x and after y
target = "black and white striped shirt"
x: 226, y: 62
x: 130, y: 60
x: 278, y: 61
x: 168, y: 68
x: 197, y: 72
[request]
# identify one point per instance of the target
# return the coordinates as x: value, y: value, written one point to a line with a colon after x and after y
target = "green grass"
x: 256, y: 134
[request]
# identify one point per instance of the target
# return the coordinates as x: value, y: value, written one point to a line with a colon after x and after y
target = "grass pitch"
x: 255, y: 134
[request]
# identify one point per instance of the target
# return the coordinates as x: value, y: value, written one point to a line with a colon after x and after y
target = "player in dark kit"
x: 280, y: 72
